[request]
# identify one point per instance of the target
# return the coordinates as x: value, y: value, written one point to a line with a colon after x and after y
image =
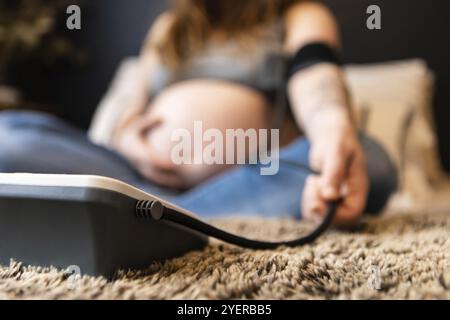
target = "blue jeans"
x: 39, y: 143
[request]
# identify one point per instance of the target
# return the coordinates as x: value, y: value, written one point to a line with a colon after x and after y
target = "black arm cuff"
x: 312, y: 54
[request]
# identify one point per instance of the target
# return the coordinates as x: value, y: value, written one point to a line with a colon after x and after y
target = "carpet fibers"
x: 392, y: 257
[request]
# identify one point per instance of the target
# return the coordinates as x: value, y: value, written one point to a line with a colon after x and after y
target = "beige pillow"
x: 393, y: 102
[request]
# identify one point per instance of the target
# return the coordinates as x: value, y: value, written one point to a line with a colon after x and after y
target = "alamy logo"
x: 73, y: 22
x: 240, y: 146
x: 374, y: 20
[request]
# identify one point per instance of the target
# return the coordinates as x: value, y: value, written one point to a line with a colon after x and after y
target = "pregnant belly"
x: 184, y: 107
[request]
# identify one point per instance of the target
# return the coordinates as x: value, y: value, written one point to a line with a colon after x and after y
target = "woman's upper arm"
x: 147, y: 61
x: 149, y: 55
x: 157, y: 32
x: 310, y: 22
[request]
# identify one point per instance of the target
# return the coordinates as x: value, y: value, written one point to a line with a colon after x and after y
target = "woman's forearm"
x: 139, y: 98
x: 317, y: 94
x: 319, y: 98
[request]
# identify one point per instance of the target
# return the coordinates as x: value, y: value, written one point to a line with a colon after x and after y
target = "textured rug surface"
x: 399, y: 257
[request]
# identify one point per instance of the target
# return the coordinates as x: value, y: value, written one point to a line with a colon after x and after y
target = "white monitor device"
x: 85, y: 221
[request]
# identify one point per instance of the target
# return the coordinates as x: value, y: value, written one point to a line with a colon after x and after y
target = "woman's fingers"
x: 313, y: 206
x: 334, y: 172
x: 146, y: 123
x: 134, y: 140
x: 134, y: 147
x: 356, y: 185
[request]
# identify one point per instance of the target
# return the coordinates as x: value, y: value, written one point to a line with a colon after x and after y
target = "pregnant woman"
x: 218, y: 62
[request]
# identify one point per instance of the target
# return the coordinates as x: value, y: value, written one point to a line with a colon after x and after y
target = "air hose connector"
x: 149, y: 209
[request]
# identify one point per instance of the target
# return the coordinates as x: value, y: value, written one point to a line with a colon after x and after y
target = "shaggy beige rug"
x: 404, y: 256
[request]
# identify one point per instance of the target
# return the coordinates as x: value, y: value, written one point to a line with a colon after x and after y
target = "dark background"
x: 113, y: 29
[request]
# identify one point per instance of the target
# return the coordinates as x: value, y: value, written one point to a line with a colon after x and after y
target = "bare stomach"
x: 184, y: 107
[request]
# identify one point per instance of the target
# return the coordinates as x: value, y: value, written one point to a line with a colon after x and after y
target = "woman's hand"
x: 132, y: 142
x: 337, y: 154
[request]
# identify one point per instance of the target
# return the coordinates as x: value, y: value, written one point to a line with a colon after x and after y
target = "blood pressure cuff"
x: 312, y: 54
